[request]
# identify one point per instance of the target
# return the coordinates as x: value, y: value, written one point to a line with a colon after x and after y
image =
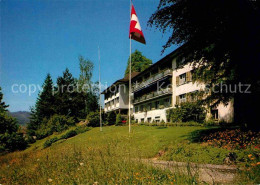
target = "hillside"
x: 22, y: 117
x: 111, y: 157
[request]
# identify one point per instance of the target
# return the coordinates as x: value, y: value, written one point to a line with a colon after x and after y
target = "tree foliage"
x: 138, y: 61
x: 222, y: 40
x: 58, y: 107
x: 189, y: 111
x: 10, y: 137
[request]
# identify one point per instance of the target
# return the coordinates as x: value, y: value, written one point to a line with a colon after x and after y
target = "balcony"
x: 152, y: 79
x: 152, y: 95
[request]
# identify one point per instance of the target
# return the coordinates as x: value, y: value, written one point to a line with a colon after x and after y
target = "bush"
x: 49, y: 142
x: 93, y: 119
x: 188, y: 111
x: 10, y: 137
x: 119, y: 119
x: 111, y: 118
x: 69, y: 134
x: 58, y: 123
x: 82, y: 129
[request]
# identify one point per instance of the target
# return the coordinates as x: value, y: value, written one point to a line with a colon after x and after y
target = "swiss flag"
x: 135, y: 29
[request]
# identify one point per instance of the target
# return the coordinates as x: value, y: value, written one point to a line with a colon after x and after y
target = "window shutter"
x: 188, y: 74
x: 189, y: 97
x: 177, y: 100
x: 177, y: 80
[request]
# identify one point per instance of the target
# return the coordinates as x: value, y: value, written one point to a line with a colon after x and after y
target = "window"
x: 214, y: 113
x: 182, y: 79
x: 157, y: 119
x: 142, y: 120
x: 167, y: 102
x: 141, y: 108
x: 182, y: 98
x: 149, y: 120
x: 157, y: 104
x: 136, y: 108
x: 149, y: 106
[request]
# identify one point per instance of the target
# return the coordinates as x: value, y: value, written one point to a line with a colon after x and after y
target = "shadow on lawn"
x: 198, y: 135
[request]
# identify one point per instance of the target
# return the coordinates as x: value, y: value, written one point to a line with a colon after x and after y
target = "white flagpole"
x: 100, y: 117
x: 130, y: 66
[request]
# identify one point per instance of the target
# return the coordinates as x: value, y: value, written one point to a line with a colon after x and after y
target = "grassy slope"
x: 105, y: 157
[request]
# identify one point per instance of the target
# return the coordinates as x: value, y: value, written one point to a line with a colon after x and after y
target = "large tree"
x: 88, y: 90
x: 138, y: 61
x: 222, y: 39
x: 44, y: 106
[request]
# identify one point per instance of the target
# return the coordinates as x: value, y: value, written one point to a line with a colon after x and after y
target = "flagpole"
x: 100, y: 117
x: 130, y: 87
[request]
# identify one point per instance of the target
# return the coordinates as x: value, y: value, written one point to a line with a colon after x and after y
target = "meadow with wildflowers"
x: 112, y: 157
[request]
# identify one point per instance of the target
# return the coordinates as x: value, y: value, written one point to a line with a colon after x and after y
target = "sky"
x: 40, y: 37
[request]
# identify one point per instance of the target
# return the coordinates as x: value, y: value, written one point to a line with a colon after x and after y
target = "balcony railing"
x: 152, y: 79
x: 153, y: 95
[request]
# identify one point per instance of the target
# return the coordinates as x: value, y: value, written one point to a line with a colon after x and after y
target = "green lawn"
x: 106, y: 157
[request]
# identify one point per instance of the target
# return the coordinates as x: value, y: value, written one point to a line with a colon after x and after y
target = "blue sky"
x: 40, y: 37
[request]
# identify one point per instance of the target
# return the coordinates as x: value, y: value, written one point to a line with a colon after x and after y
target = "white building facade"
x: 163, y: 86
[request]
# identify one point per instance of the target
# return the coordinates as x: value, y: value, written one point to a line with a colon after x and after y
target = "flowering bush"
x: 233, y: 139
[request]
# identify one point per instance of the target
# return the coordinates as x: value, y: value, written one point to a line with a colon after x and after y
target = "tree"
x: 86, y: 68
x: 3, y: 106
x: 68, y: 101
x: 45, y: 100
x: 10, y: 137
x: 222, y: 40
x: 139, y: 62
x: 89, y: 92
x: 43, y: 107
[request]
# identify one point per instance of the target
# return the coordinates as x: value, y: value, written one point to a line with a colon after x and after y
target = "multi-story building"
x: 116, y: 96
x: 160, y: 87
x: 163, y: 86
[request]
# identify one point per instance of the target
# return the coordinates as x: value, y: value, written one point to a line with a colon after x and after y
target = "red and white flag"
x: 135, y: 29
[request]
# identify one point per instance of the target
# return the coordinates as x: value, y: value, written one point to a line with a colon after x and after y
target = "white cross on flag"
x: 135, y: 29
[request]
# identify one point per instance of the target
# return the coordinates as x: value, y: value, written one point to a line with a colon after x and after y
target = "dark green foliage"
x: 139, y: 62
x: 44, y: 108
x: 93, y: 119
x: 68, y: 101
x: 119, y: 119
x: 187, y: 112
x: 222, y: 38
x: 49, y: 142
x: 69, y: 134
x: 10, y: 137
x: 56, y: 123
x: 3, y: 106
x: 111, y: 118
x: 82, y: 129
x: 59, y: 107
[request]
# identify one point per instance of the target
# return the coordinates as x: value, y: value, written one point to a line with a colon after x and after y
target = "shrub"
x: 119, y: 119
x: 93, y: 119
x: 188, y: 111
x: 69, y: 134
x: 82, y: 129
x: 111, y: 118
x: 49, y: 142
x: 58, y: 123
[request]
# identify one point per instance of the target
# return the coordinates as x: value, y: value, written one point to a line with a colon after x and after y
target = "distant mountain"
x: 22, y: 117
